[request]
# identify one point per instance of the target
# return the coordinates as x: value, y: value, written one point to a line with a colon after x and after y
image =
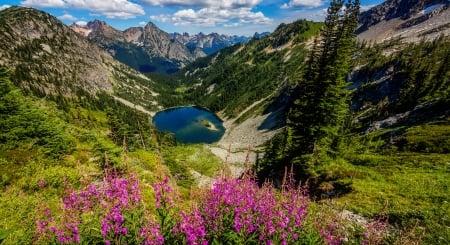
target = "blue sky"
x: 241, y: 17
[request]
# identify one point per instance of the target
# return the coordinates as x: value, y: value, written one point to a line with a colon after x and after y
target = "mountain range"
x: 208, y: 43
x: 150, y: 49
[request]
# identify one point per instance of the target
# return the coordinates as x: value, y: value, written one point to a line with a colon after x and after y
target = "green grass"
x: 181, y: 89
x: 409, y: 188
x: 402, y: 172
x: 195, y: 157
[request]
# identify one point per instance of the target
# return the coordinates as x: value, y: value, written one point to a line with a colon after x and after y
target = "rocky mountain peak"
x: 97, y: 24
x: 102, y: 31
x: 391, y: 9
x: 134, y: 34
x: 410, y: 20
x: 144, y: 48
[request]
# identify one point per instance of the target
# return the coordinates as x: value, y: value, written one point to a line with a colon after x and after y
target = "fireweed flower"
x: 243, y: 207
x: 111, y: 198
x: 192, y: 225
x: 330, y: 235
x: 151, y: 234
x: 235, y: 210
x: 42, y: 183
x: 162, y: 194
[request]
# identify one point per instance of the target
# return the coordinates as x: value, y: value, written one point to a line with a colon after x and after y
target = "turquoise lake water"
x: 187, y: 124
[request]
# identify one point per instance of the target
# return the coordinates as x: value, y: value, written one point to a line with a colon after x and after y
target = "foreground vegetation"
x: 233, y: 211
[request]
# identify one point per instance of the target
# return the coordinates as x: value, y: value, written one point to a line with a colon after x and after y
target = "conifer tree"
x: 316, y: 117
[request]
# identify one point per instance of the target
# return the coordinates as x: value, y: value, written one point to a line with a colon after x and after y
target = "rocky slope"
x: 147, y: 49
x: 208, y: 43
x: 410, y: 20
x: 49, y: 59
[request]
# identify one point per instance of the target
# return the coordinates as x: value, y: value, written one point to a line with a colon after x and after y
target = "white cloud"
x: 366, y: 7
x: 160, y: 18
x: 122, y: 9
x: 5, y: 6
x: 81, y: 23
x: 44, y: 3
x: 211, y: 13
x: 67, y: 17
x: 205, y: 3
x: 213, y: 17
x: 142, y: 23
x: 302, y: 3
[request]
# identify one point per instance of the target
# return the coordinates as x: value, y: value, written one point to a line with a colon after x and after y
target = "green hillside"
x: 236, y: 77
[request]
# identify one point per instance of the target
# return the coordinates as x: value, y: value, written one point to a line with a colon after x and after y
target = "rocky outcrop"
x: 411, y: 21
x: 391, y: 9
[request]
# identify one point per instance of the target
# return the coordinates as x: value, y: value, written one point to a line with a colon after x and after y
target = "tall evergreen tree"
x: 314, y: 123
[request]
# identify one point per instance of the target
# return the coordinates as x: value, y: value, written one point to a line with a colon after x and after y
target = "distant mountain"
x: 260, y: 35
x: 412, y: 20
x: 208, y: 43
x: 147, y: 49
x: 49, y: 59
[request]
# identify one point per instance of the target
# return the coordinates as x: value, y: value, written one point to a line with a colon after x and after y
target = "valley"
x: 354, y: 111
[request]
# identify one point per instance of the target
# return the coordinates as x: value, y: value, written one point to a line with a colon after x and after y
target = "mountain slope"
x: 147, y: 49
x: 238, y: 76
x: 49, y: 59
x: 410, y: 20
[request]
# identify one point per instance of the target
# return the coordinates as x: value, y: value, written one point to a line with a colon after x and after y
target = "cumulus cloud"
x: 122, y: 9
x: 81, y: 23
x: 366, y: 7
x: 67, y: 17
x: 302, y: 4
x: 44, y: 3
x: 142, y: 23
x: 228, y: 13
x: 205, y: 3
x: 5, y: 6
x: 213, y: 17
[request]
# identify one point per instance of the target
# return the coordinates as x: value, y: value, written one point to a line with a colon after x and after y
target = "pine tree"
x: 316, y: 117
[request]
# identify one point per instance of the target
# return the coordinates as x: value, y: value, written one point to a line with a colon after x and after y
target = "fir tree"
x: 315, y: 120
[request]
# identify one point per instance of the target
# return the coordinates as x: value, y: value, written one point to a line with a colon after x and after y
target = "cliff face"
x: 412, y: 20
x: 391, y: 9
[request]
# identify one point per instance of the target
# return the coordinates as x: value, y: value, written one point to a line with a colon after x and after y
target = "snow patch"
x: 430, y: 8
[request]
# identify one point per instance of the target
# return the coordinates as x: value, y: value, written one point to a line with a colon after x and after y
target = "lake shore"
x: 242, y: 143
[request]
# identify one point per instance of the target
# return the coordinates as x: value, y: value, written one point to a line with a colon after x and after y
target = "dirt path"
x: 137, y: 107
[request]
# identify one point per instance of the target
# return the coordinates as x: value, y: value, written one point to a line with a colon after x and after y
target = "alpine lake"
x: 190, y: 124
